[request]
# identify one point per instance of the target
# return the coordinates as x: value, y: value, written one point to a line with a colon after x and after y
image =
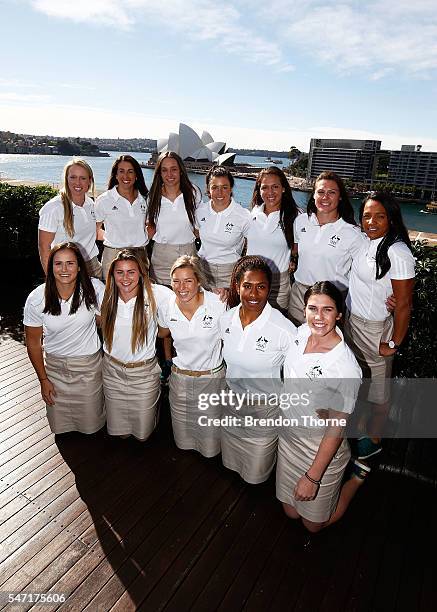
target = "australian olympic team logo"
x: 93, y: 214
x: 333, y: 241
x: 315, y: 372
x: 229, y: 227
x: 207, y: 322
x: 261, y: 343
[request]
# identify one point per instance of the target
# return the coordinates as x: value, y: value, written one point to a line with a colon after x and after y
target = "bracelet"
x: 316, y: 482
x: 41, y: 379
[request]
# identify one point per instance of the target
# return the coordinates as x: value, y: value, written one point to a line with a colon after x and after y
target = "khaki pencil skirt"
x: 296, y: 308
x: 280, y: 291
x: 94, y: 268
x: 131, y: 397
x: 218, y: 275
x: 363, y: 337
x: 295, y: 456
x: 250, y: 450
x: 79, y: 404
x: 184, y: 392
x: 164, y: 256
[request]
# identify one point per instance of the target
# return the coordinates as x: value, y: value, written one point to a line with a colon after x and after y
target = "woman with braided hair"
x: 256, y: 338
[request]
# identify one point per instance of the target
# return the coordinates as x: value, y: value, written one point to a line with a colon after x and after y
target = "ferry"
x: 431, y: 207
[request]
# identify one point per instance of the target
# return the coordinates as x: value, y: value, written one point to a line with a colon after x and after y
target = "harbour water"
x: 48, y: 168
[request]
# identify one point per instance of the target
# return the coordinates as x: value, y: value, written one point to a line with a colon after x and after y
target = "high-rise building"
x: 413, y: 167
x: 353, y: 159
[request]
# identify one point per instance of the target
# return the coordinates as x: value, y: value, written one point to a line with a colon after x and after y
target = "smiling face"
x: 78, y: 181
x: 220, y: 191
x: 127, y: 278
x: 375, y: 221
x: 321, y: 314
x: 125, y: 175
x: 271, y: 191
x: 185, y: 285
x: 65, y: 268
x: 326, y: 199
x: 170, y: 173
x: 254, y: 290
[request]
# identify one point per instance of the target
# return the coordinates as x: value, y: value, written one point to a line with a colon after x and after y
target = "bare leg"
x: 290, y: 511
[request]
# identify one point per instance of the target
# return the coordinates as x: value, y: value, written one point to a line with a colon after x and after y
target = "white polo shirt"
x: 256, y: 352
x: 266, y: 238
x: 173, y: 225
x: 125, y: 223
x: 65, y: 335
x: 51, y: 219
x: 331, y: 379
x: 121, y: 340
x: 222, y: 233
x: 367, y: 296
x: 325, y: 251
x: 197, y: 342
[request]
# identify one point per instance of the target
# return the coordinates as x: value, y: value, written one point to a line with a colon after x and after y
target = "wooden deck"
x: 119, y: 525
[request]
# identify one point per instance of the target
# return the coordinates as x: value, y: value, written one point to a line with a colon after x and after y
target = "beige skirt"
x: 131, y: 397
x: 218, y: 275
x: 189, y: 433
x: 296, y: 308
x: 79, y: 404
x: 364, y: 337
x: 94, y: 268
x: 110, y: 253
x: 295, y: 456
x: 249, y: 451
x: 164, y: 256
x: 280, y: 291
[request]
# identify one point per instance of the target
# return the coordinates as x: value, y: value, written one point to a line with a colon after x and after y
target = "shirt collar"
x: 258, y: 323
x: 226, y: 212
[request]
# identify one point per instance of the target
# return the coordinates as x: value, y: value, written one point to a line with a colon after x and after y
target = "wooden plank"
x: 20, y: 366
x: 27, y: 436
x: 16, y: 382
x: 22, y: 421
x: 33, y: 398
x: 18, y: 395
x: 10, y: 453
x: 12, y: 474
x: 11, y: 359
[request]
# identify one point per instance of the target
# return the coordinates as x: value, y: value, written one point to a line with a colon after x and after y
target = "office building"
x: 351, y: 159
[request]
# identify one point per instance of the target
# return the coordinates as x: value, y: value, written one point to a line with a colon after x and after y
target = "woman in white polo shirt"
x: 192, y: 315
x: 122, y: 209
x: 326, y: 241
x: 129, y: 326
x: 313, y: 455
x: 270, y: 232
x: 63, y: 312
x: 256, y: 338
x: 383, y: 266
x: 222, y: 224
x: 171, y: 215
x: 70, y: 216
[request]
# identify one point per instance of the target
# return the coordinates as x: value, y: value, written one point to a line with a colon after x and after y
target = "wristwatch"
x: 392, y: 344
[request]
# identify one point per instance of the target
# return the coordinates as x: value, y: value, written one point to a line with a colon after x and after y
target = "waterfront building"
x: 351, y: 159
x: 413, y: 167
x: 193, y: 148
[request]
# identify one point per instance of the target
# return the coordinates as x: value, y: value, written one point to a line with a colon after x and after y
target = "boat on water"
x: 277, y: 161
x: 431, y: 207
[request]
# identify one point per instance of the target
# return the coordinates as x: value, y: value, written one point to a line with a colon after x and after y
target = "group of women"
x: 229, y: 323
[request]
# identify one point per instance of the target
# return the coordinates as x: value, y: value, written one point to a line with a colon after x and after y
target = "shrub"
x: 19, y: 206
x: 417, y: 358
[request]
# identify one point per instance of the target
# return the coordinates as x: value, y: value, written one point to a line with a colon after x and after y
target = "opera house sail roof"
x: 191, y: 147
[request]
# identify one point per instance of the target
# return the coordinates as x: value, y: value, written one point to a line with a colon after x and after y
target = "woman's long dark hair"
x: 189, y: 191
x: 288, y: 210
x: 248, y: 263
x: 345, y: 210
x: 83, y: 291
x: 139, y: 185
x: 397, y: 231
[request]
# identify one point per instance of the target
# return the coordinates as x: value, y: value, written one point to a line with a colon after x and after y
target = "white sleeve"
x: 99, y: 208
x: 99, y: 288
x: 32, y: 317
x: 295, y: 230
x: 49, y: 218
x: 402, y: 262
x: 357, y: 244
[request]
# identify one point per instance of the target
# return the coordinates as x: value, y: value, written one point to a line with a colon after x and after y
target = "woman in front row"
x: 192, y: 314
x: 130, y: 369
x: 63, y: 312
x: 256, y: 338
x: 312, y: 460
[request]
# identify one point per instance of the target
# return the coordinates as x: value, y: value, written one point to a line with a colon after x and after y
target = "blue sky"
x: 253, y: 73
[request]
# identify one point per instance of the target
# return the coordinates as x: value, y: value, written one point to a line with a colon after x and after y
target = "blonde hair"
x: 193, y: 262
x: 110, y: 303
x: 67, y: 201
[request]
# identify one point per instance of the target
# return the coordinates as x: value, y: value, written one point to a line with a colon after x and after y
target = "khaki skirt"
x: 363, y: 337
x: 295, y: 456
x: 218, y: 275
x: 164, y: 256
x: 94, y: 268
x: 131, y: 397
x: 189, y: 433
x: 110, y: 253
x: 79, y: 404
x: 249, y: 450
x: 296, y: 308
x: 280, y: 291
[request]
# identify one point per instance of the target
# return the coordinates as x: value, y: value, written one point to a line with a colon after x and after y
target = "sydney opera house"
x: 193, y: 148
